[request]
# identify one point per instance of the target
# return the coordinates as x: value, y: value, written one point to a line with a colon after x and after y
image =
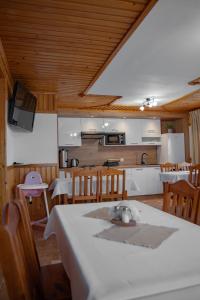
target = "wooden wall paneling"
x: 46, y: 103
x: 3, y: 98
x: 16, y: 175
x: 4, y: 69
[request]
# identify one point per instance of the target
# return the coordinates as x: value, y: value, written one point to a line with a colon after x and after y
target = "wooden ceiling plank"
x: 124, y: 5
x: 56, y: 14
x: 25, y: 54
x: 55, y: 38
x: 64, y: 35
x: 29, y: 42
x: 50, y: 48
x: 93, y: 7
x: 20, y: 22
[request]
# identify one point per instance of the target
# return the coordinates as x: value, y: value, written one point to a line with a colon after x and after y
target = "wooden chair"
x: 113, y: 181
x: 194, y: 176
x: 181, y: 200
x: 25, y: 279
x: 85, y: 185
x: 168, y: 167
x: 184, y: 166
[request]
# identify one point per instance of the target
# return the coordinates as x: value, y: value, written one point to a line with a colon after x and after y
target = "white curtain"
x: 195, y: 138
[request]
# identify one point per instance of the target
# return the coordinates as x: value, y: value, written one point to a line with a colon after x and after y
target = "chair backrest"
x: 181, y: 200
x: 168, y: 167
x: 18, y: 255
x: 184, y: 166
x: 112, y: 184
x: 85, y: 185
x: 194, y: 177
x: 33, y: 177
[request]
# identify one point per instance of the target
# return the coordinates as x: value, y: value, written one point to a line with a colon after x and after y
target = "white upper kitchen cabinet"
x: 133, y: 132
x: 150, y: 131
x: 92, y: 124
x: 69, y: 132
x: 114, y: 125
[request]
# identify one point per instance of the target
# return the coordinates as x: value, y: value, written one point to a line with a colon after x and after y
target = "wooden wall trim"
x: 4, y: 67
x: 32, y: 166
x: 131, y: 30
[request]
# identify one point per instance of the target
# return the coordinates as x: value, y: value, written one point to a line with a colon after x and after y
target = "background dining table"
x: 174, y: 176
x: 101, y: 269
x: 63, y: 186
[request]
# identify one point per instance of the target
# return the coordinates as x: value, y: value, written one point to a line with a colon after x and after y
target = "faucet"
x: 143, y: 158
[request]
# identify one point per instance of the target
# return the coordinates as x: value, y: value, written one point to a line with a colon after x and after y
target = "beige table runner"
x: 145, y: 235
x: 103, y: 213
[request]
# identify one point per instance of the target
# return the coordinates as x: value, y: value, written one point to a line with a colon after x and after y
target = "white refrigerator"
x: 172, y: 148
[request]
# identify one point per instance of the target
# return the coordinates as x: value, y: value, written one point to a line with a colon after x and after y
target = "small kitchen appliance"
x: 63, y: 158
x: 74, y: 162
x: 115, y: 139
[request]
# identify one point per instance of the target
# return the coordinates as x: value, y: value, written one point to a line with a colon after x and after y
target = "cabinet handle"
x: 134, y: 143
x: 139, y: 169
x: 69, y: 144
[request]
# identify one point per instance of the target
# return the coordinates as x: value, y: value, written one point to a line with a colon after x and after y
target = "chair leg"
x: 46, y: 203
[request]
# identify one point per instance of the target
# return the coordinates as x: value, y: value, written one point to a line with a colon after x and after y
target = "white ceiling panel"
x: 159, y: 59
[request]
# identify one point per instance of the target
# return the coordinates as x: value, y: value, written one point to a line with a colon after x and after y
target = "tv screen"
x: 21, y: 110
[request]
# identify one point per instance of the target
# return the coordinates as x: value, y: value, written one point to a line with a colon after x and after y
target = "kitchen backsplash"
x: 92, y: 153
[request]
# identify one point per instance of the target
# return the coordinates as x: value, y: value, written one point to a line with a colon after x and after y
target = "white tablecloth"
x: 174, y: 176
x: 105, y: 270
x: 61, y: 186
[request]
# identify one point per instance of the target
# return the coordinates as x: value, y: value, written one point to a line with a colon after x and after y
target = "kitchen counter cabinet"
x: 143, y: 181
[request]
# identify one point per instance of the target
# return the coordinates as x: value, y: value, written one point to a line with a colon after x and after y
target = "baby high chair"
x: 34, y: 187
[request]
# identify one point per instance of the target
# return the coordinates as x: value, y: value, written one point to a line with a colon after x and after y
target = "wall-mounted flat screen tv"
x: 21, y: 108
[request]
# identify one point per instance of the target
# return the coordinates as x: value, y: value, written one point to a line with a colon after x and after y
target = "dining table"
x: 63, y: 186
x: 102, y: 269
x: 174, y: 176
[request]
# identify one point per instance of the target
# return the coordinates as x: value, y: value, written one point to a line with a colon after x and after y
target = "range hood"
x: 92, y: 135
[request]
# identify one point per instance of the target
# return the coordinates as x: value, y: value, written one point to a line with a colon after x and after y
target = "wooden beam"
x: 131, y: 30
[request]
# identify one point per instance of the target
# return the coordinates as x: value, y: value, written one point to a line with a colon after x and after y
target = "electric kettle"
x: 74, y: 162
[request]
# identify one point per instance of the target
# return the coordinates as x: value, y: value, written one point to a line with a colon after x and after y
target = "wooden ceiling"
x: 61, y: 46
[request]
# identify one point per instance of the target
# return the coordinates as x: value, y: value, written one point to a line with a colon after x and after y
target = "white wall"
x: 39, y: 146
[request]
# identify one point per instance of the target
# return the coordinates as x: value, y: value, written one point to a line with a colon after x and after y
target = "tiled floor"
x: 48, y: 251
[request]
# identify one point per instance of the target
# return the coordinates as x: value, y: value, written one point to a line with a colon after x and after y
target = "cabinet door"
x: 138, y: 182
x: 69, y: 132
x: 114, y: 125
x: 151, y: 132
x: 92, y: 124
x: 150, y: 128
x: 133, y: 132
x: 153, y: 185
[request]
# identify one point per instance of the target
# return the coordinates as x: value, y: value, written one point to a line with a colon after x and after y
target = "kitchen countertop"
x: 122, y: 166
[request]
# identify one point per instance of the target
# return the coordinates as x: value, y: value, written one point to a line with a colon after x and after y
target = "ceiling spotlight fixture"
x: 149, y: 102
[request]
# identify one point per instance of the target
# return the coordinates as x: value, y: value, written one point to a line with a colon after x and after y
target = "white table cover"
x: 107, y: 270
x: 174, y: 176
x: 62, y: 186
